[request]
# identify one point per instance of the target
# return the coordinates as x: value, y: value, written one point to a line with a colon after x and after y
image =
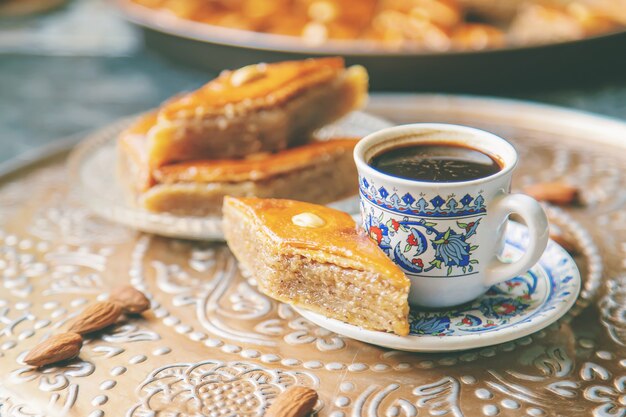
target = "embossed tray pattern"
x: 214, y: 346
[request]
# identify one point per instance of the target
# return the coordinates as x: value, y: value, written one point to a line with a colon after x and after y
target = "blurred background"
x: 70, y: 66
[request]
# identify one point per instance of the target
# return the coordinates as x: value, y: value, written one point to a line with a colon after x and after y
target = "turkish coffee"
x: 438, y: 162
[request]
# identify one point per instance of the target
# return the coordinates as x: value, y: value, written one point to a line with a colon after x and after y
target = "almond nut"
x: 553, y: 192
x: 307, y: 219
x: 247, y: 74
x: 294, y: 402
x: 55, y: 349
x: 130, y: 299
x: 95, y: 317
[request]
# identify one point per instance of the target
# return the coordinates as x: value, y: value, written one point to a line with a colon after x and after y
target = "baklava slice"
x: 259, y: 108
x: 313, y: 257
x: 319, y: 171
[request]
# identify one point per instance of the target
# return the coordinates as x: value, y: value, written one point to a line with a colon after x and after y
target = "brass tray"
x: 215, y: 48
x: 214, y: 346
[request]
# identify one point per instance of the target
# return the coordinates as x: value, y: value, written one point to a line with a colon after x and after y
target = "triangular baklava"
x: 313, y: 257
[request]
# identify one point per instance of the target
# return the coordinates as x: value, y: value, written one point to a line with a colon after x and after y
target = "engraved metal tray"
x: 214, y: 346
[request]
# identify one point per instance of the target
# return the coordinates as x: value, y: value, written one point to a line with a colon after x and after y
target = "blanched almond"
x: 247, y: 74
x: 306, y: 219
x: 130, y: 299
x: 294, y: 402
x: 55, y: 349
x: 96, y: 317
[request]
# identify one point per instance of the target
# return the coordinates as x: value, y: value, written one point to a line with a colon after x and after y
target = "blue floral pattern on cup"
x: 421, y: 205
x: 434, y: 235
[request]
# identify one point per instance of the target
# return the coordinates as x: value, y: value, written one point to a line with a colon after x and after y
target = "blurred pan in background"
x: 442, y: 45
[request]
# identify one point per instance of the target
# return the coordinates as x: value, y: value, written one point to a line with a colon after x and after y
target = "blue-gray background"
x: 82, y: 66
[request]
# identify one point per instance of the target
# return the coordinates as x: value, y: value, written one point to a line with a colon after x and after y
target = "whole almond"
x: 554, y: 192
x: 294, y: 402
x: 55, y: 349
x: 131, y: 299
x: 95, y: 317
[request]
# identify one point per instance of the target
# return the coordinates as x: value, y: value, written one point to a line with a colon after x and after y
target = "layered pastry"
x: 259, y: 108
x: 247, y: 133
x: 319, y: 171
x: 312, y: 256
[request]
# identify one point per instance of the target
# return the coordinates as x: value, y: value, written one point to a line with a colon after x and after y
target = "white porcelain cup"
x: 446, y: 236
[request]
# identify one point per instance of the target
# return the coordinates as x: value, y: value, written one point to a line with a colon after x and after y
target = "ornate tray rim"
x: 50, y: 150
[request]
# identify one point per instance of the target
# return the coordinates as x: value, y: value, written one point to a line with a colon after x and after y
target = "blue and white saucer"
x: 511, y: 310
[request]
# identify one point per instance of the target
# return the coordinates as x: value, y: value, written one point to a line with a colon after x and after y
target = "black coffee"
x: 435, y: 163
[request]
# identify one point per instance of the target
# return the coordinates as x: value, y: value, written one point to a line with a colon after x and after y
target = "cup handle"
x: 535, y: 218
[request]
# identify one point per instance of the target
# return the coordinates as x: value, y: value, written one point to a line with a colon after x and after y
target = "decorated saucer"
x: 92, y: 168
x: 508, y: 311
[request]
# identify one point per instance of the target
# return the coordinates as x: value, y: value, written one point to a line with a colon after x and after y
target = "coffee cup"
x: 446, y: 235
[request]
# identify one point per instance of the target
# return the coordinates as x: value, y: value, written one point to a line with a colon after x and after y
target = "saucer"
x: 93, y: 173
x: 508, y: 311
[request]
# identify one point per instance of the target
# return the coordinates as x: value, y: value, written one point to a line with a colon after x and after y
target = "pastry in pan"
x: 314, y: 257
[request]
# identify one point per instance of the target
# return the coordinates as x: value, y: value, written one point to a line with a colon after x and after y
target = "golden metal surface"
x: 213, y: 346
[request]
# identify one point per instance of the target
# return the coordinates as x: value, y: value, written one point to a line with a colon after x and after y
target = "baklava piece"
x: 319, y: 171
x: 259, y: 108
x: 313, y: 257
